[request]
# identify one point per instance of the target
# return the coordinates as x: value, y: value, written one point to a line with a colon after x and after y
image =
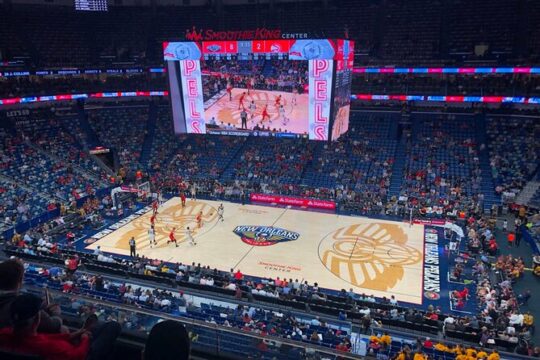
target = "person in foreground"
x: 168, y: 340
x: 93, y: 341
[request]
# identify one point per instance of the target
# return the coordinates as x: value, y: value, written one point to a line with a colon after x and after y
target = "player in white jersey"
x: 193, y: 192
x: 252, y: 108
x: 152, y: 236
x: 220, y: 211
x: 284, y: 119
x: 189, y: 237
x: 294, y: 93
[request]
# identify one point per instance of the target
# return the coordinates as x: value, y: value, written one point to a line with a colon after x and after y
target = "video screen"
x: 342, y: 89
x: 281, y: 88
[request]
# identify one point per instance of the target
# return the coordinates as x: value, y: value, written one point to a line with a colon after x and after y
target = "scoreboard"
x: 304, y: 91
x: 91, y: 5
x: 294, y: 49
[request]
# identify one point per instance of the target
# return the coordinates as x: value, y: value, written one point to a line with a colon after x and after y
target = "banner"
x: 320, y: 88
x: 293, y: 201
x: 193, y: 96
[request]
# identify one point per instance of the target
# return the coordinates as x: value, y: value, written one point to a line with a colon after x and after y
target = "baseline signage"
x: 432, y: 274
x: 293, y: 201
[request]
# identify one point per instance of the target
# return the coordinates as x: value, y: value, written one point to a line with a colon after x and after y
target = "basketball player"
x: 199, y: 219
x: 265, y: 114
x: 153, y: 219
x: 152, y: 236
x: 294, y: 93
x: 183, y: 198
x: 241, y: 101
x: 189, y: 236
x: 229, y: 90
x: 252, y: 108
x: 284, y: 119
x: 172, y: 238
x: 250, y: 84
x: 220, y: 211
x: 278, y: 102
x: 155, y: 206
x: 193, y: 192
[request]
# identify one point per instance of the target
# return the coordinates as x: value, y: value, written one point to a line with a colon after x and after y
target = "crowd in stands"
x: 442, y: 162
x: 389, y: 33
x: 514, y: 152
x: 123, y: 129
x: 442, y: 173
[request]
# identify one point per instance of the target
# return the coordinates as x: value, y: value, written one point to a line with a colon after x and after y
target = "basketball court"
x: 377, y: 257
x: 228, y: 111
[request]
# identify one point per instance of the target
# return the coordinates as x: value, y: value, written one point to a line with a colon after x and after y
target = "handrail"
x: 203, y: 324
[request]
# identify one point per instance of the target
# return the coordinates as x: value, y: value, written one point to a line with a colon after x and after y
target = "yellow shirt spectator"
x: 386, y: 339
x: 471, y: 353
x: 528, y: 319
x: 494, y: 356
x: 481, y: 354
x: 442, y: 347
x: 419, y: 356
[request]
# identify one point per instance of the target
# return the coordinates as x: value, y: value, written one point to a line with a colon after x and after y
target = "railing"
x: 208, y: 338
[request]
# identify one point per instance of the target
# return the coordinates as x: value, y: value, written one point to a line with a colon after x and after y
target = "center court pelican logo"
x: 264, y: 235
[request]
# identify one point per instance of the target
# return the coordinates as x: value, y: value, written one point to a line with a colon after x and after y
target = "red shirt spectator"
x: 47, y: 346
x: 428, y: 344
x: 72, y: 264
x: 70, y: 236
x: 238, y: 275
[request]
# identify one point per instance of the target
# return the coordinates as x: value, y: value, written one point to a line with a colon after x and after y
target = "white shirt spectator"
x: 516, y: 319
x: 104, y: 258
x: 231, y: 286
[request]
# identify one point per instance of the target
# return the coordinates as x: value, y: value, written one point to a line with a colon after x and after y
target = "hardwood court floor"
x: 228, y: 112
x: 376, y: 257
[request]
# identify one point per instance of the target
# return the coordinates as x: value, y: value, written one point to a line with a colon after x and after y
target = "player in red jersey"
x: 172, y: 238
x: 241, y: 101
x: 153, y: 219
x: 183, y: 198
x: 155, y: 206
x: 249, y: 84
x: 265, y: 114
x: 199, y: 219
x: 278, y: 101
x: 229, y: 90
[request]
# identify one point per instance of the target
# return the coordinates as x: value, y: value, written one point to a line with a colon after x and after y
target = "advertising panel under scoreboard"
x: 282, y: 87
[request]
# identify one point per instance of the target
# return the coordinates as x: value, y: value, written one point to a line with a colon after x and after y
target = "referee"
x: 243, y: 116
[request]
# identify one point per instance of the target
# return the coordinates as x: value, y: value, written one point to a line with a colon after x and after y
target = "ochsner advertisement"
x: 320, y: 88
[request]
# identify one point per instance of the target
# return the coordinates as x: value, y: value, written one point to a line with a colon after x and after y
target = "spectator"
x: 11, y: 277
x: 24, y: 338
x: 168, y: 340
